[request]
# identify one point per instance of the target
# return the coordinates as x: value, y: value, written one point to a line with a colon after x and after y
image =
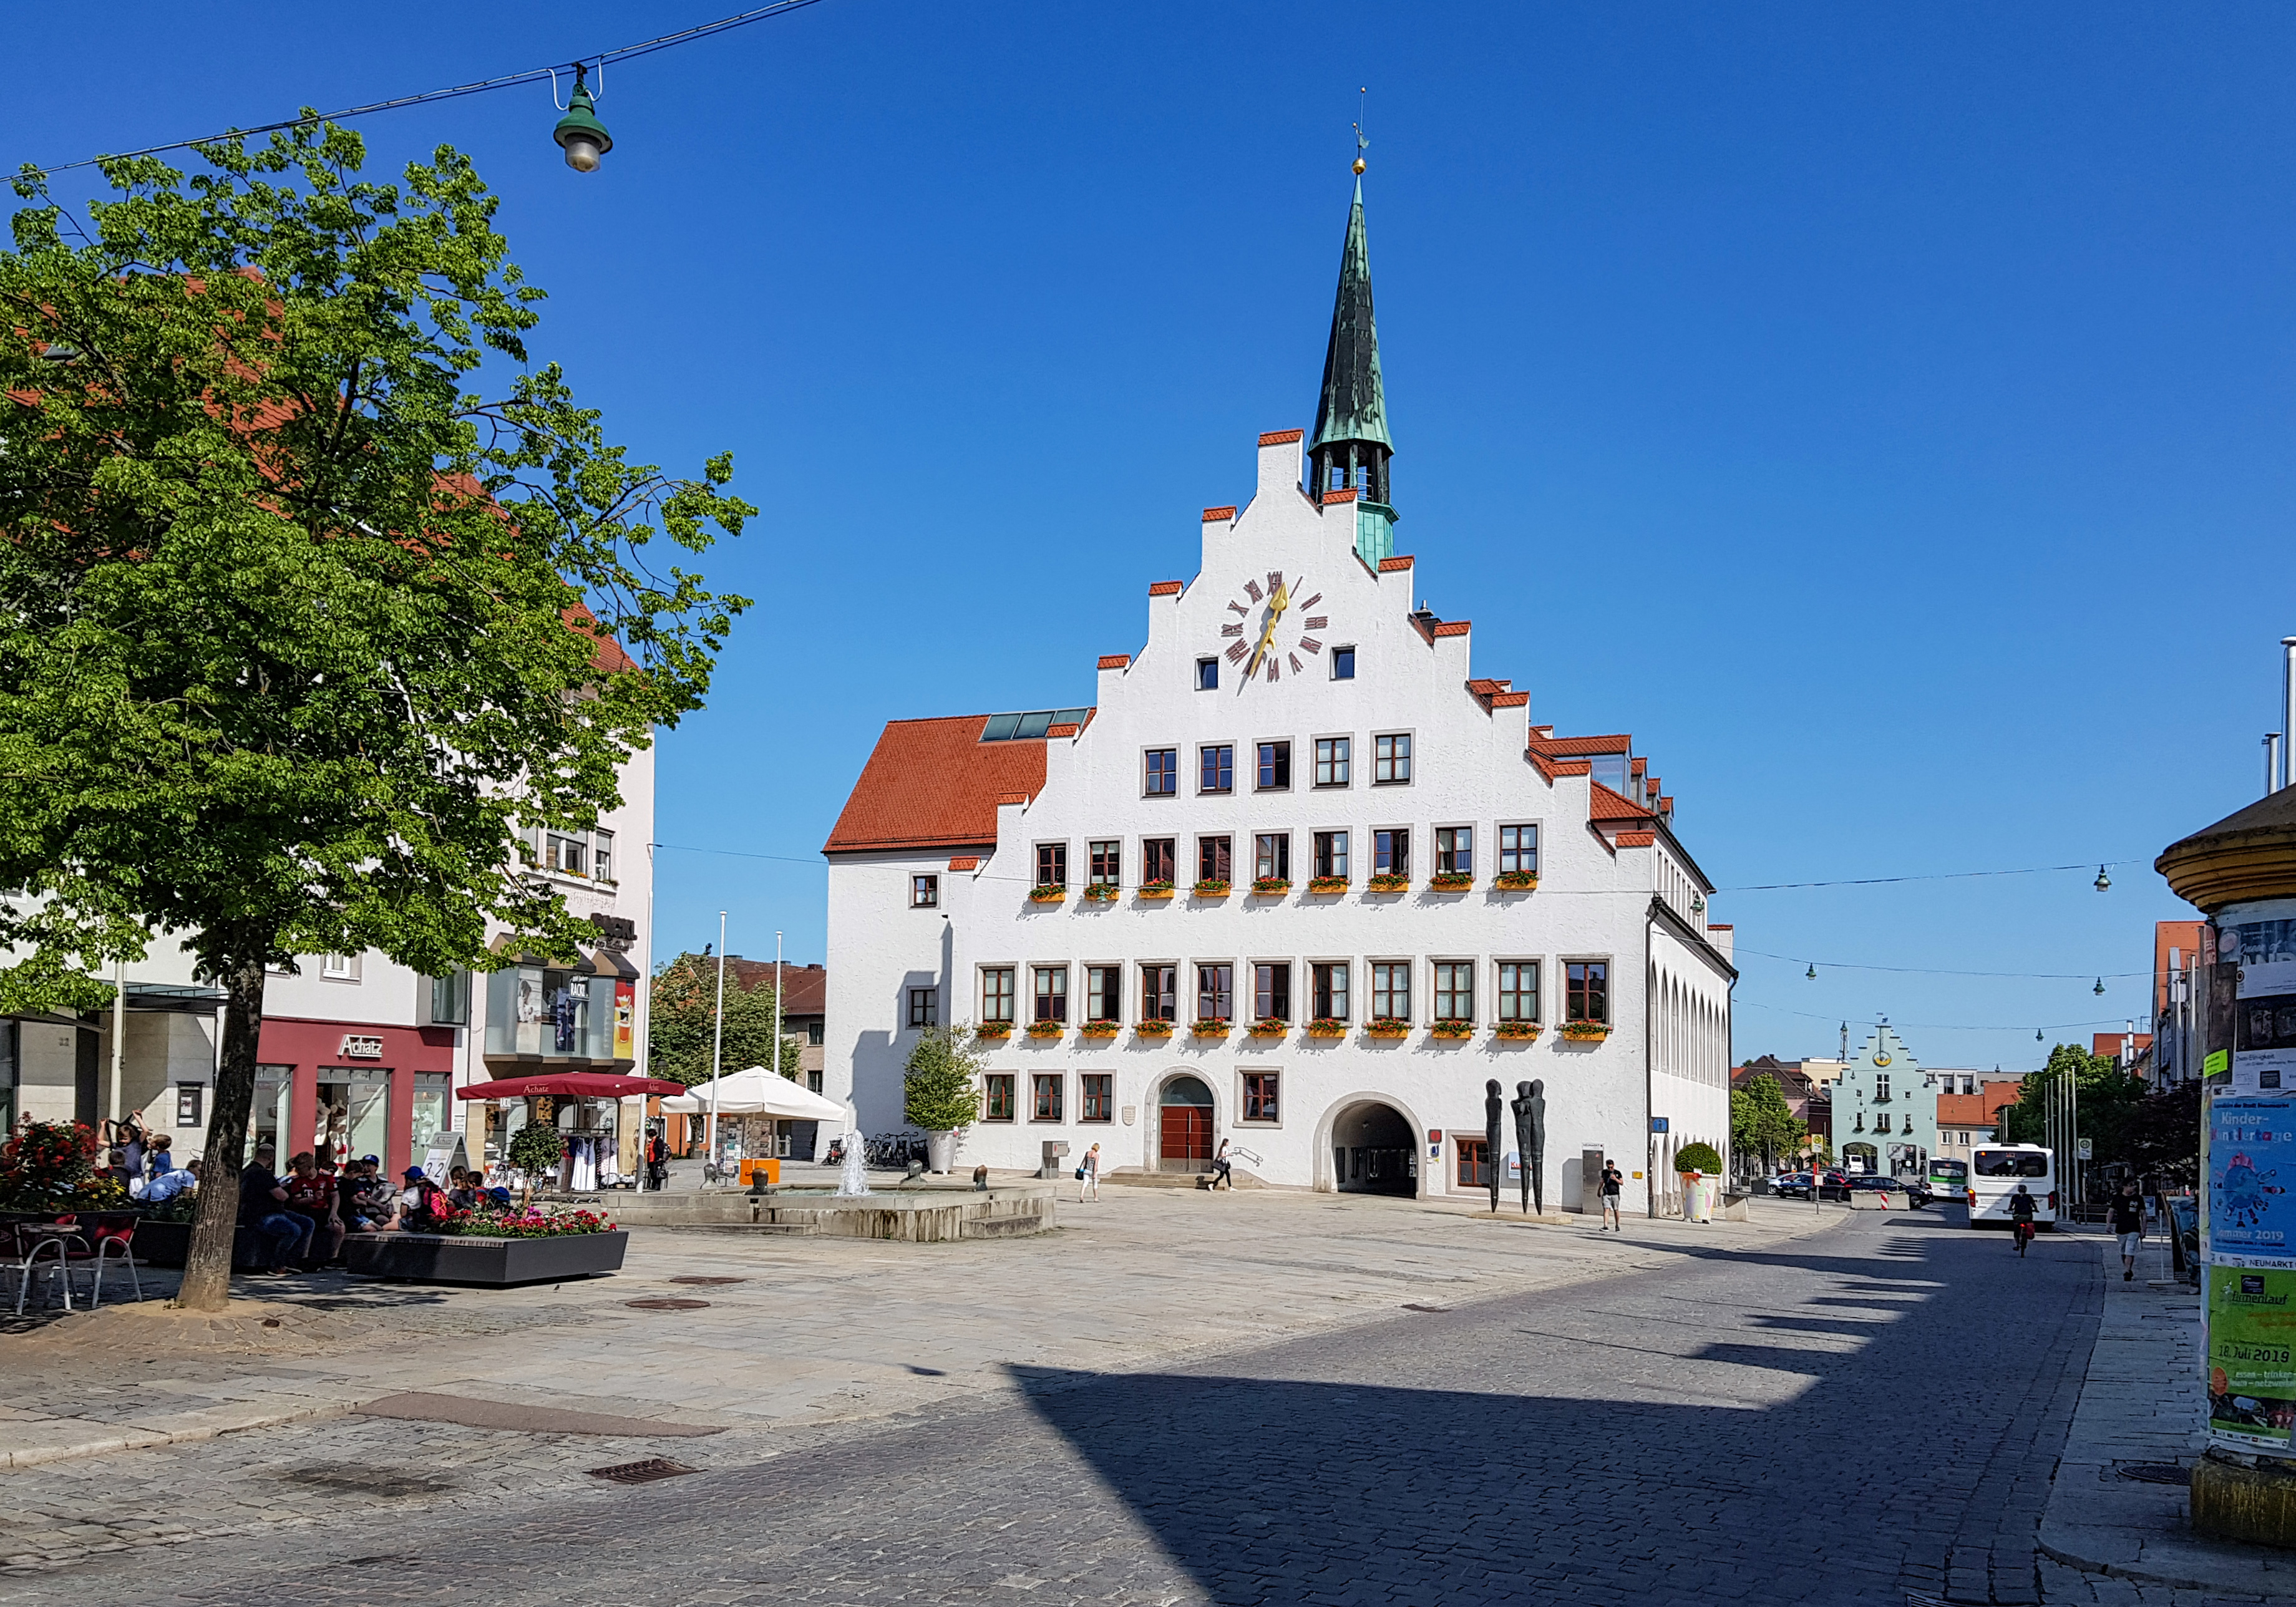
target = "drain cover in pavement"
x: 643, y: 1473
x: 2155, y: 1472
x: 706, y: 1281
x: 667, y: 1305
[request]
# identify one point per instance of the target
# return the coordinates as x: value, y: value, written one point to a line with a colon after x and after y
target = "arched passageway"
x: 1374, y: 1151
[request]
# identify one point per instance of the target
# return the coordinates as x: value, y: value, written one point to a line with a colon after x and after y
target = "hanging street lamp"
x: 580, y: 132
x: 2100, y: 986
x: 1813, y: 970
x: 2104, y: 881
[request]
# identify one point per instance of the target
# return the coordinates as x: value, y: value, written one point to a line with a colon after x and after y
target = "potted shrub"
x: 1215, y: 887
x: 1049, y: 892
x: 1327, y: 885
x: 1152, y: 1030
x: 1387, y: 882
x: 1451, y: 881
x: 1162, y: 887
x: 993, y: 1032
x: 1211, y: 1025
x: 940, y: 1092
x: 1047, y: 1029
x: 1700, y: 1167
x: 1327, y: 1026
x: 1518, y: 1029
x: 1591, y: 1032
x: 1271, y: 886
x: 1100, y: 1029
x: 1453, y: 1027
x: 1101, y: 892
x: 1386, y: 1026
x: 1270, y: 1028
x: 1516, y: 882
x: 536, y: 1149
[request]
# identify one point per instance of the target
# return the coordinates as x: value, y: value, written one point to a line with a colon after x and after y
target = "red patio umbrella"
x: 571, y: 1085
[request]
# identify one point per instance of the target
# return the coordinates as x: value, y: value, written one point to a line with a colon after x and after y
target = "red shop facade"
x: 344, y: 1090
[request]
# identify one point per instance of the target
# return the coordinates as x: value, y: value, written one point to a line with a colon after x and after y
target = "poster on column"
x: 2264, y: 1018
x: 2251, y: 1338
x: 2250, y: 1156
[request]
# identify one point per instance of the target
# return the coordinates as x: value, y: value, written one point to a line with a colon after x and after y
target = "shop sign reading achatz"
x: 359, y: 1048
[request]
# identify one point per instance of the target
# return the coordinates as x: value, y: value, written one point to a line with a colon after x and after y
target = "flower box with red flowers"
x: 1516, y: 882
x: 1213, y: 888
x: 1590, y: 1032
x: 1451, y: 881
x: 1101, y: 892
x: 1162, y: 887
x: 530, y: 1246
x: 1153, y: 1030
x: 1388, y: 882
x: 1051, y: 892
x: 1328, y: 884
x: 1327, y: 1026
x: 1211, y: 1025
x: 1516, y: 1029
x: 1100, y: 1029
x: 1453, y: 1029
x: 1271, y: 886
x: 1388, y: 1026
x: 1047, y: 1029
x: 1270, y: 1029
x: 993, y: 1032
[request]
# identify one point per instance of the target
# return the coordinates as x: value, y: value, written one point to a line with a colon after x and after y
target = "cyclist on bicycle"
x: 2020, y: 1217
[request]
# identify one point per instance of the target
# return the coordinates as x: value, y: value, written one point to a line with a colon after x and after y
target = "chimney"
x: 2287, y: 701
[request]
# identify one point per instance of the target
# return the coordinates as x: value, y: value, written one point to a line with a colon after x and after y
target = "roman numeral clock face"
x: 1273, y: 628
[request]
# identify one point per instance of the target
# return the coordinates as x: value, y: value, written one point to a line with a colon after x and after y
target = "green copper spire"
x: 1350, y: 445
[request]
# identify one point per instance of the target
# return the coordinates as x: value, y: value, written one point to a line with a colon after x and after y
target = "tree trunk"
x: 215, y: 1224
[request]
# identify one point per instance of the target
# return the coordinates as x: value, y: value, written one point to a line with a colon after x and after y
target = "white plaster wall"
x: 1469, y: 769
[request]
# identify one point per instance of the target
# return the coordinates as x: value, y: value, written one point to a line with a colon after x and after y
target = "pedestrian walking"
x: 2129, y: 1224
x: 1613, y: 1180
x: 1223, y: 1168
x: 1089, y: 1174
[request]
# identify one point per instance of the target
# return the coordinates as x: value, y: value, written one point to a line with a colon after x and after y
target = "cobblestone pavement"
x: 1869, y: 1415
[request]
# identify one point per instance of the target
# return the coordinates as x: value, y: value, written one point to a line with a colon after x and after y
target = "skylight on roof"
x: 1014, y: 727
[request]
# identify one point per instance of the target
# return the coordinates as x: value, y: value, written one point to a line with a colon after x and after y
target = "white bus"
x: 1994, y: 1171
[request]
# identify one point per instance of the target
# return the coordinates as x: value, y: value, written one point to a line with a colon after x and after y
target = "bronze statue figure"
x: 1491, y: 1104
x: 1530, y: 1142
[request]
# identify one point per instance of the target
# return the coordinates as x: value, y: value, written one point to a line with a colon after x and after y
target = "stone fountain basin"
x: 915, y: 1213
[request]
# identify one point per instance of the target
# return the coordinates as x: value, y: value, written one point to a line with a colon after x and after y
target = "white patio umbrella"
x: 756, y: 1092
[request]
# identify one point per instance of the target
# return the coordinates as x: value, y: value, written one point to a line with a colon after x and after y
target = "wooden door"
x: 1187, y: 1133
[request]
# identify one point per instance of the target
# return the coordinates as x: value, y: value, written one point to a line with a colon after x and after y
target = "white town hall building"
x: 1298, y: 879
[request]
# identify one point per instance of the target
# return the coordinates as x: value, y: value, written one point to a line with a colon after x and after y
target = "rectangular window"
x: 1212, y: 859
x: 1518, y: 990
x: 1052, y: 993
x: 450, y: 999
x: 1609, y: 769
x: 997, y: 993
x: 602, y: 856
x: 1101, y: 984
x: 1881, y: 1087
x: 812, y: 1035
x: 1517, y: 850
x: 998, y: 1102
x: 1390, y: 760
x: 1271, y: 992
x: 1343, y: 663
x: 1474, y: 1163
x: 343, y: 968
x: 565, y: 854
x: 1260, y: 1089
x: 1215, y: 993
x: 1159, y: 993
x: 1332, y: 761
x: 1274, y: 767
x: 1051, y: 865
x: 1207, y: 674
x: 1391, y: 851
x: 1045, y: 1096
x: 924, y: 892
x: 1271, y: 855
x: 1391, y: 990
x: 1331, y: 982
x: 1097, y: 1091
x: 191, y: 1100
x: 1158, y: 860
x: 813, y: 1083
x: 1107, y: 861
x: 1455, y: 990
x: 924, y: 1007
x: 1216, y: 770
x: 1454, y: 849
x: 1587, y: 990
x: 1163, y: 773
x: 1331, y: 853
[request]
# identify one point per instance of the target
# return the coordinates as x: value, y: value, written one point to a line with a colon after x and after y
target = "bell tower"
x: 1350, y: 449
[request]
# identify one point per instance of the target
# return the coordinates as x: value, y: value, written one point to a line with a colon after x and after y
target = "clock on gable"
x: 1273, y: 629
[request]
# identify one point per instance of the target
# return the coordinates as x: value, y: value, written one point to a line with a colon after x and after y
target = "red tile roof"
x: 964, y: 862
x: 1212, y: 513
x: 1511, y: 699
x: 1388, y: 566
x: 1636, y: 840
x: 1977, y: 1110
x: 1168, y: 588
x: 1559, y: 747
x: 1455, y: 627
x: 1116, y: 660
x: 1344, y: 494
x: 1606, y: 805
x: 804, y: 989
x: 934, y: 783
x: 1277, y: 438
x: 1063, y: 728
x: 609, y: 657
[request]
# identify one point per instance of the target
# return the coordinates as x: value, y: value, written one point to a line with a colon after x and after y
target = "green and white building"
x: 1885, y: 1110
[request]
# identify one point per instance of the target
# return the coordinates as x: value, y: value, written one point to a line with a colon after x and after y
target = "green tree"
x: 312, y: 589
x: 2162, y: 1137
x: 2107, y: 1097
x: 940, y: 1087
x: 680, y: 1037
x: 1762, y: 1123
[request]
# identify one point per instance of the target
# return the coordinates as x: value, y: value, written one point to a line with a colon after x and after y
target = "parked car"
x: 1792, y: 1186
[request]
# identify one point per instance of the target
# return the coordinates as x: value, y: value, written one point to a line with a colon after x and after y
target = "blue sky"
x: 1881, y: 412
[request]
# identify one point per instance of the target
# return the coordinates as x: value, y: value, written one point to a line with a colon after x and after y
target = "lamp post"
x: 718, y: 1042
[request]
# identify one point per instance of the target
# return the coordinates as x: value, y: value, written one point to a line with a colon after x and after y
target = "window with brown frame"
x: 1274, y: 767
x: 1391, y: 851
x: 1518, y: 990
x: 1212, y: 861
x: 1162, y: 772
x: 1045, y: 1096
x: 998, y: 1096
x: 1215, y: 992
x: 1271, y: 855
x: 1454, y: 849
x: 1271, y: 992
x: 1330, y: 987
x: 1587, y: 990
x: 1455, y: 990
x: 1107, y: 863
x: 997, y: 993
x: 924, y: 892
x: 1051, y: 865
x: 1052, y: 993
x: 1517, y: 850
x: 1159, y: 860
x: 1159, y: 993
x: 1260, y: 1089
x: 1332, y: 754
x: 1390, y: 760
x: 924, y: 1007
x: 1474, y: 1163
x: 1096, y: 1094
x: 1102, y: 985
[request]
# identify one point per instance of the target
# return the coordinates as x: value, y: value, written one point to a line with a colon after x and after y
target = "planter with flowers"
x: 1050, y: 892
x: 1162, y: 887
x: 993, y: 1032
x: 1386, y: 1026
x: 1586, y: 1032
x: 495, y: 1248
x: 1047, y: 1029
x: 1700, y: 1167
x: 1387, y: 882
x: 1516, y: 1029
x: 50, y: 1166
x: 1451, y: 881
x: 1327, y: 885
x: 1212, y: 887
x: 1516, y: 882
x: 1327, y: 1026
x: 1270, y: 1029
x: 1271, y: 887
x: 1152, y: 1030
x: 1451, y: 1027
x: 1101, y: 892
x: 1100, y: 1029
x: 1211, y: 1025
